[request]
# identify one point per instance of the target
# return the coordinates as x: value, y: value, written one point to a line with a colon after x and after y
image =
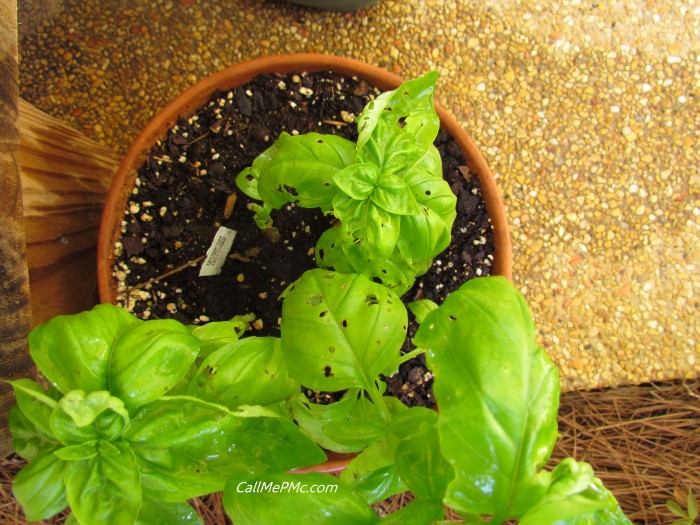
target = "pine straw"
x: 643, y: 442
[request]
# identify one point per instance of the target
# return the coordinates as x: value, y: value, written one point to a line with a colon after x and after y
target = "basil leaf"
x: 187, y: 447
x: 355, y: 433
x: 313, y: 417
x: 434, y: 193
x: 414, y: 437
x: 297, y: 168
x: 381, y: 231
x: 422, y: 308
x: 283, y: 498
x: 575, y: 497
x: 330, y: 253
x: 358, y: 326
x: 27, y: 440
x: 417, y: 512
x: 72, y: 351
x: 34, y: 404
x: 81, y: 417
x: 76, y: 452
x: 248, y: 372
x: 39, y: 487
x: 398, y: 128
x: 149, y: 359
x: 106, y: 488
x: 423, y: 236
x: 163, y: 513
x: 393, y: 194
x: 358, y: 181
x: 498, y: 396
x: 216, y: 334
x: 373, y: 475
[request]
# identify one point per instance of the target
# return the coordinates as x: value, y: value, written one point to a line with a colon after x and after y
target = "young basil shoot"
x: 387, y: 190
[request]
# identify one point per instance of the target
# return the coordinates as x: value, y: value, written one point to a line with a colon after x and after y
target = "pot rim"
x: 197, y: 95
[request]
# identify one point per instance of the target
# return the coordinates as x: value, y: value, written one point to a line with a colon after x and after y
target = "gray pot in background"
x: 335, y: 5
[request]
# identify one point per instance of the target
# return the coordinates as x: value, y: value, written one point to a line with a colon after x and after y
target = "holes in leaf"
x: 249, y: 178
x: 371, y: 299
x: 401, y: 122
x: 319, y: 141
x: 344, y: 322
x: 291, y: 190
x: 427, y: 192
x: 323, y: 313
x: 327, y: 371
x: 315, y: 300
x: 451, y: 317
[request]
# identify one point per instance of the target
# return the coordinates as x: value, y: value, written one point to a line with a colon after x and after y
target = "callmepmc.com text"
x: 286, y: 487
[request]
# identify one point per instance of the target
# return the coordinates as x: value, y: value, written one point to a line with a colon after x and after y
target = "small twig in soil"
x: 196, y: 140
x: 188, y: 264
x: 335, y: 122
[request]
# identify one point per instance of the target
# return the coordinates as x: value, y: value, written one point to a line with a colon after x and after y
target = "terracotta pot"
x: 196, y: 96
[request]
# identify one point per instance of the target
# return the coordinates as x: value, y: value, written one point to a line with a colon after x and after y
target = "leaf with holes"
x: 358, y: 328
x: 498, y: 395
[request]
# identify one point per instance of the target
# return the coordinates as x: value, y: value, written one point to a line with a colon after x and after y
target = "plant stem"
x: 378, y: 401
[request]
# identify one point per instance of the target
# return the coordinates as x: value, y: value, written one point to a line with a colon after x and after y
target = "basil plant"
x: 394, y: 208
x: 484, y: 453
x: 137, y: 420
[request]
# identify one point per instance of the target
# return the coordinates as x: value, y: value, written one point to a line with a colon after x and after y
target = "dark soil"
x: 182, y: 193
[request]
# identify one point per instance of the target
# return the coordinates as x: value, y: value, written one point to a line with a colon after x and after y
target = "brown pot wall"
x: 196, y: 96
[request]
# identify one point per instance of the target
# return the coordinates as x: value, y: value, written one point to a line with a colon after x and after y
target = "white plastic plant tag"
x: 217, y: 252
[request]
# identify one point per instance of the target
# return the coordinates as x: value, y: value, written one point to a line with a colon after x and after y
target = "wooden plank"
x: 15, y: 313
x: 65, y: 178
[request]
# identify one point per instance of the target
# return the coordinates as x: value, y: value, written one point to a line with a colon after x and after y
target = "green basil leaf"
x: 163, y: 513
x: 81, y: 417
x: 575, y: 497
x: 358, y: 326
x: 76, y: 452
x: 357, y: 180
x: 429, y: 166
x: 172, y: 421
x: 330, y: 253
x: 380, y: 231
x: 394, y: 272
x: 422, y: 308
x: 423, y: 236
x: 73, y: 351
x: 398, y: 128
x: 297, y: 168
x: 283, y: 498
x: 39, y: 487
x: 248, y: 372
x: 27, y: 440
x: 435, y: 194
x: 414, y: 437
x: 392, y: 194
x: 373, y: 475
x: 106, y: 488
x: 149, y: 359
x: 354, y: 434
x: 498, y: 395
x: 34, y: 404
x: 217, y: 334
x: 417, y: 512
x: 313, y: 417
x: 187, y: 447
